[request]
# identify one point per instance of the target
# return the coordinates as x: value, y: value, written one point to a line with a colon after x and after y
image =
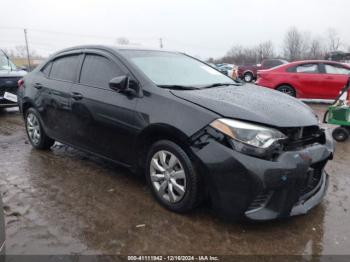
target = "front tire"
x: 340, y: 134
x: 35, y: 132
x: 248, y: 77
x: 172, y: 177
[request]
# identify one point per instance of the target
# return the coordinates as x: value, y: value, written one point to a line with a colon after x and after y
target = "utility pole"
x: 161, y: 42
x: 27, y: 47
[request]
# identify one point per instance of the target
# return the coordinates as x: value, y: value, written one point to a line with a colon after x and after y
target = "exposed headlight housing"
x: 249, y: 138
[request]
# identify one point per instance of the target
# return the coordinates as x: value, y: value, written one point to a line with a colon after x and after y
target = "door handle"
x: 38, y: 85
x: 77, y: 96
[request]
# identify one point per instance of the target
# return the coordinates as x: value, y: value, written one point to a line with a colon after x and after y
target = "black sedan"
x: 192, y: 131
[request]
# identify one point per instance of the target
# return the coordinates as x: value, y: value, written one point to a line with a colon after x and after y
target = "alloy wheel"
x: 33, y: 128
x: 248, y: 78
x: 287, y: 90
x: 168, y: 176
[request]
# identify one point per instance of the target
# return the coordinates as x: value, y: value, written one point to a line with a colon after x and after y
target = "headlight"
x: 248, y: 138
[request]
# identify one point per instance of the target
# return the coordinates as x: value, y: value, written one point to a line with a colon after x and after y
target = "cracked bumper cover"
x: 235, y: 180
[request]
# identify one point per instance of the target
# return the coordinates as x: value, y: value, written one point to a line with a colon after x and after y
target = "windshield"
x: 175, y: 69
x: 6, y: 64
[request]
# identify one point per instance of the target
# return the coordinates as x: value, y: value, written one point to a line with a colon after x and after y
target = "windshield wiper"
x: 220, y: 84
x: 178, y: 87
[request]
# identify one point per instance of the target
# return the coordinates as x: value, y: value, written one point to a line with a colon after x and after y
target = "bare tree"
x: 123, y: 41
x: 20, y: 51
x: 240, y: 55
x: 293, y: 44
x: 265, y: 50
x: 334, y: 41
x: 316, y: 49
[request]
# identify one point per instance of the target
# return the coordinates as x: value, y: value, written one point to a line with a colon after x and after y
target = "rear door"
x: 306, y: 78
x: 106, y: 118
x: 334, y: 78
x: 55, y: 87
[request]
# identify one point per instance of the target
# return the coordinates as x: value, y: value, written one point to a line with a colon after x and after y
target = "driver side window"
x: 97, y: 71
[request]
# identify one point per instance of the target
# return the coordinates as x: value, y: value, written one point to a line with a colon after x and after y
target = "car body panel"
x: 238, y: 103
x: 236, y: 179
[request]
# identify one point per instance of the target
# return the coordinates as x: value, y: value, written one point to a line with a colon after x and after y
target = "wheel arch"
x: 25, y: 105
x: 156, y: 132
x: 287, y: 84
x: 250, y: 72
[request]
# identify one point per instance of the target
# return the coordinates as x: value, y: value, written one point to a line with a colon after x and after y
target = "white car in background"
x: 228, y: 68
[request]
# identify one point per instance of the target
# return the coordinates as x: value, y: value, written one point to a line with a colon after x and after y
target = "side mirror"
x: 119, y: 84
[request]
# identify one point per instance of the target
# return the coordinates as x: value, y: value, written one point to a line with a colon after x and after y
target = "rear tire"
x: 35, y: 131
x: 287, y: 89
x: 340, y: 134
x: 171, y: 177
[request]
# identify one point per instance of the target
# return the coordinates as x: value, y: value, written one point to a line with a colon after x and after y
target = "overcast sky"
x: 201, y: 28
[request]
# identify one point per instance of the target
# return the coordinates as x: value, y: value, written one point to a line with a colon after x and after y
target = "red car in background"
x: 306, y: 79
x: 248, y: 73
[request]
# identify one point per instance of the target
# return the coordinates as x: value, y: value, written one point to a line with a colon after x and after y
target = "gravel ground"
x: 64, y: 201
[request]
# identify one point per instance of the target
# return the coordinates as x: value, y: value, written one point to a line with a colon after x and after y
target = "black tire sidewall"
x: 289, y: 87
x: 44, y: 139
x: 251, y: 77
x: 191, y: 195
x: 340, y: 130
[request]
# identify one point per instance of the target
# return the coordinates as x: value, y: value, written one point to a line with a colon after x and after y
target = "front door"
x: 106, y: 118
x: 307, y: 77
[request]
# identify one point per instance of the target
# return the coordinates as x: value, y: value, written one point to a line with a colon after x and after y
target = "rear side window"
x: 46, y: 69
x: 307, y: 68
x: 98, y: 71
x: 336, y: 69
x: 65, y: 68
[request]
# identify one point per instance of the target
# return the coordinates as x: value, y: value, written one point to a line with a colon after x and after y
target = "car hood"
x: 13, y: 73
x: 252, y: 103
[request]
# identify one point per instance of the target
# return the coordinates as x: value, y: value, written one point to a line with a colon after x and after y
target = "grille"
x: 8, y: 84
x: 313, y: 177
x: 260, y: 201
x: 300, y: 137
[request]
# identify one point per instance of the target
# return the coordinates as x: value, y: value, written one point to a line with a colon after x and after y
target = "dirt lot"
x: 64, y: 201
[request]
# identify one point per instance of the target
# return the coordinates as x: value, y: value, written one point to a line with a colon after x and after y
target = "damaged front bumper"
x: 261, y: 189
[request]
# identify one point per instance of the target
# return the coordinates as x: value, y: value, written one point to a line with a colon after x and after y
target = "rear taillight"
x: 20, y: 82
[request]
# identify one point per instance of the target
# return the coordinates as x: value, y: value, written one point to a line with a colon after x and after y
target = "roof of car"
x: 115, y: 48
x: 314, y: 61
